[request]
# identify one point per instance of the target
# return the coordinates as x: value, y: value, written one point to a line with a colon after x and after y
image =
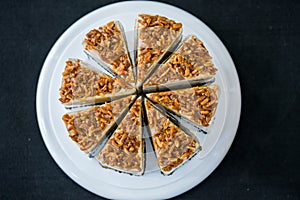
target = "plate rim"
x: 127, y: 192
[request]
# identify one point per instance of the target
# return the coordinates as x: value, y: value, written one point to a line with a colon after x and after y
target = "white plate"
x: 110, y: 184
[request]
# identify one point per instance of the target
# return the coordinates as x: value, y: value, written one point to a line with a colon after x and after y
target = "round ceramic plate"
x: 108, y: 183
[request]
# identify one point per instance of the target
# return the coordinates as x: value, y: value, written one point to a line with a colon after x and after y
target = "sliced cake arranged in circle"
x: 190, y: 64
x: 90, y: 126
x: 168, y: 96
x: 172, y: 146
x: 107, y: 45
x: 197, y: 104
x: 155, y: 36
x: 82, y: 84
x: 124, y: 151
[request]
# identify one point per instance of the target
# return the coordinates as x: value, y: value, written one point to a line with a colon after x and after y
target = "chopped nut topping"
x: 87, y: 127
x: 190, y: 61
x: 80, y: 82
x: 171, y: 144
x: 124, y: 149
x: 156, y: 35
x: 158, y: 21
x: 197, y: 104
x: 109, y: 45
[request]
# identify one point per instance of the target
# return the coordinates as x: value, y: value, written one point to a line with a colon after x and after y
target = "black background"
x: 263, y: 40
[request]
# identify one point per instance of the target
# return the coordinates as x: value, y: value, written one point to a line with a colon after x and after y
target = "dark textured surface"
x: 263, y: 39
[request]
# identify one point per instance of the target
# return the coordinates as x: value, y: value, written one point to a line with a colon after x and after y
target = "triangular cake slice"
x: 197, y: 104
x: 107, y: 45
x: 172, y: 146
x: 155, y: 36
x: 124, y: 151
x: 82, y: 84
x: 90, y: 126
x: 190, y: 62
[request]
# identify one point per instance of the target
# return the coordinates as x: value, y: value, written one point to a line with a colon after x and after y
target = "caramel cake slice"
x: 107, y: 45
x: 155, y: 36
x: 124, y: 151
x: 197, y: 104
x: 172, y: 146
x: 90, y: 126
x: 190, y: 62
x: 83, y: 85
